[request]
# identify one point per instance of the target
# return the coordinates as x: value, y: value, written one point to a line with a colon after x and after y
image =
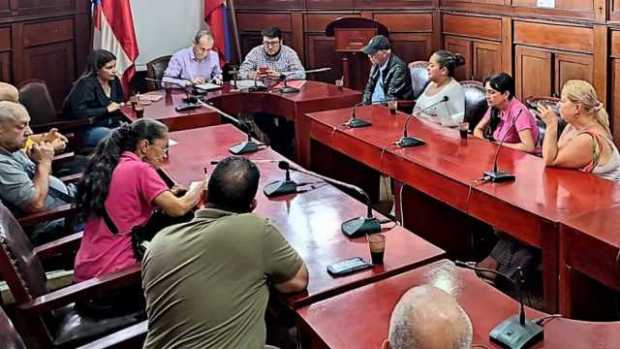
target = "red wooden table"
x: 313, y: 96
x: 589, y: 244
x: 564, y: 333
x: 360, y: 318
x: 310, y: 221
x: 529, y: 209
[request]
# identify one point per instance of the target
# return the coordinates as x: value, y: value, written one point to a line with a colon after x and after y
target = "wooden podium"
x: 351, y: 34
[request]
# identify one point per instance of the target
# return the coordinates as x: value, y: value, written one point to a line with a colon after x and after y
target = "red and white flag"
x: 114, y: 31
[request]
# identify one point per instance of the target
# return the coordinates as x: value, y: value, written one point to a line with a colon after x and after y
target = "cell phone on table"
x: 348, y: 266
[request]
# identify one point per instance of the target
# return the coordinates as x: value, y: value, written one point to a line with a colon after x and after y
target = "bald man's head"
x: 8, y: 92
x: 429, y: 318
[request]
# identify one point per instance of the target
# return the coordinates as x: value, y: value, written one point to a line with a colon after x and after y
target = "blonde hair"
x: 579, y: 91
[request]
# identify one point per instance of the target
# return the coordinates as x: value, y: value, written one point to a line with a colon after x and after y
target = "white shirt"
x: 449, y: 113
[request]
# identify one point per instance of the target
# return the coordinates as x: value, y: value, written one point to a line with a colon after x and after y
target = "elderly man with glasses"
x: 272, y: 59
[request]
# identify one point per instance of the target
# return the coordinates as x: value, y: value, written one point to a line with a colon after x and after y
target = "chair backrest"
x: 19, y: 265
x: 155, y: 70
x: 8, y: 334
x: 35, y: 96
x: 419, y: 77
x: 475, y: 102
x: 532, y: 104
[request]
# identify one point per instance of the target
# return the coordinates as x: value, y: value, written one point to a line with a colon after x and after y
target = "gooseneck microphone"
x: 355, y: 122
x: 405, y: 141
x: 353, y: 227
x: 277, y: 188
x: 249, y: 146
x: 495, y: 175
x: 516, y: 332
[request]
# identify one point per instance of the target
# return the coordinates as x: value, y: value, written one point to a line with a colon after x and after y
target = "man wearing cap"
x: 389, y: 76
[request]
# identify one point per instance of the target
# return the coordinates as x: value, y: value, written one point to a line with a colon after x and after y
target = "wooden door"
x: 532, y: 72
x: 462, y: 46
x: 486, y: 59
x: 53, y: 63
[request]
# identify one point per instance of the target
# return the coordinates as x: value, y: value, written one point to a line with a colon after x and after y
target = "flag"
x: 218, y: 17
x: 114, y: 31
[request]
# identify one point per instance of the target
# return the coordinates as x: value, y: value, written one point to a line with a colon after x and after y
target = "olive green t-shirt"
x: 205, y: 281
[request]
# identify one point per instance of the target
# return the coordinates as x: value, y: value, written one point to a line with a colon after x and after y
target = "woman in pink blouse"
x: 507, y: 118
x: 121, y: 180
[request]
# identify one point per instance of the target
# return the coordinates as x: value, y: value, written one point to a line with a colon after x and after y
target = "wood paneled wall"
x: 44, y: 39
x: 541, y: 47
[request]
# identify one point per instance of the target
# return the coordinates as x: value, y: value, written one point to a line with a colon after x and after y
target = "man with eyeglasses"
x: 272, y: 59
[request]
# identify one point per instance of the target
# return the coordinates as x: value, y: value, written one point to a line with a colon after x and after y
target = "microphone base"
x: 244, y: 148
x: 360, y: 226
x: 510, y: 334
x: 357, y: 123
x: 498, y: 176
x: 278, y: 188
x: 257, y: 89
x: 405, y: 142
x: 289, y: 89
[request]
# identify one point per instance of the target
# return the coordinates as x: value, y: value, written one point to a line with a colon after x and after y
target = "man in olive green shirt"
x: 206, y: 281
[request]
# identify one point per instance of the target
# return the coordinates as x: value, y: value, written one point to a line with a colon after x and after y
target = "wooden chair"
x: 155, y: 72
x: 50, y: 319
x: 35, y: 96
x: 131, y: 337
x: 475, y: 102
x: 419, y: 77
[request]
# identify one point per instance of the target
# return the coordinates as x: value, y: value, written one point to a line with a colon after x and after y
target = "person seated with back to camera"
x: 195, y: 65
x: 507, y: 120
x: 96, y: 94
x: 429, y: 105
x: 427, y: 317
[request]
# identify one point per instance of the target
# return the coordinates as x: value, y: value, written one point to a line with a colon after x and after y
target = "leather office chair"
x: 475, y: 102
x: 419, y: 77
x: 155, y: 70
x: 50, y: 317
x: 35, y: 96
x: 532, y: 104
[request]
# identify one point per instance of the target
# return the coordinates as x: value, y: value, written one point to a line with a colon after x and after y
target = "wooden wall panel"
x: 39, y: 59
x: 532, y: 72
x: 5, y: 66
x: 478, y: 27
x: 573, y: 38
x: 277, y: 5
x: 317, y: 23
x: 406, y: 22
x: 570, y: 5
x: 462, y: 46
x: 412, y: 47
x: 486, y: 59
x: 55, y: 31
x: 330, y: 4
x: 321, y: 52
x: 570, y: 67
x: 259, y: 21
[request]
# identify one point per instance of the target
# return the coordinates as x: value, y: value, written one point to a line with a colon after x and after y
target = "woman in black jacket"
x: 96, y: 94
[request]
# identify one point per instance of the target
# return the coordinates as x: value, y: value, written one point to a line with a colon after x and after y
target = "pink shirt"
x: 134, y: 186
x: 510, y: 125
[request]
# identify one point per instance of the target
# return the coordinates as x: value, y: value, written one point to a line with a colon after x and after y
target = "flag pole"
x: 233, y: 15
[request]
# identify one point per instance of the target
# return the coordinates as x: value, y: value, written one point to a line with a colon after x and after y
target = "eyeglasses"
x: 271, y: 43
x: 163, y: 147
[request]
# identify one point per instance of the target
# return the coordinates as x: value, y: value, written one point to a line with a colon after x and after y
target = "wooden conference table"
x: 313, y: 96
x: 446, y: 168
x: 310, y: 221
x: 589, y: 244
x: 360, y: 318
